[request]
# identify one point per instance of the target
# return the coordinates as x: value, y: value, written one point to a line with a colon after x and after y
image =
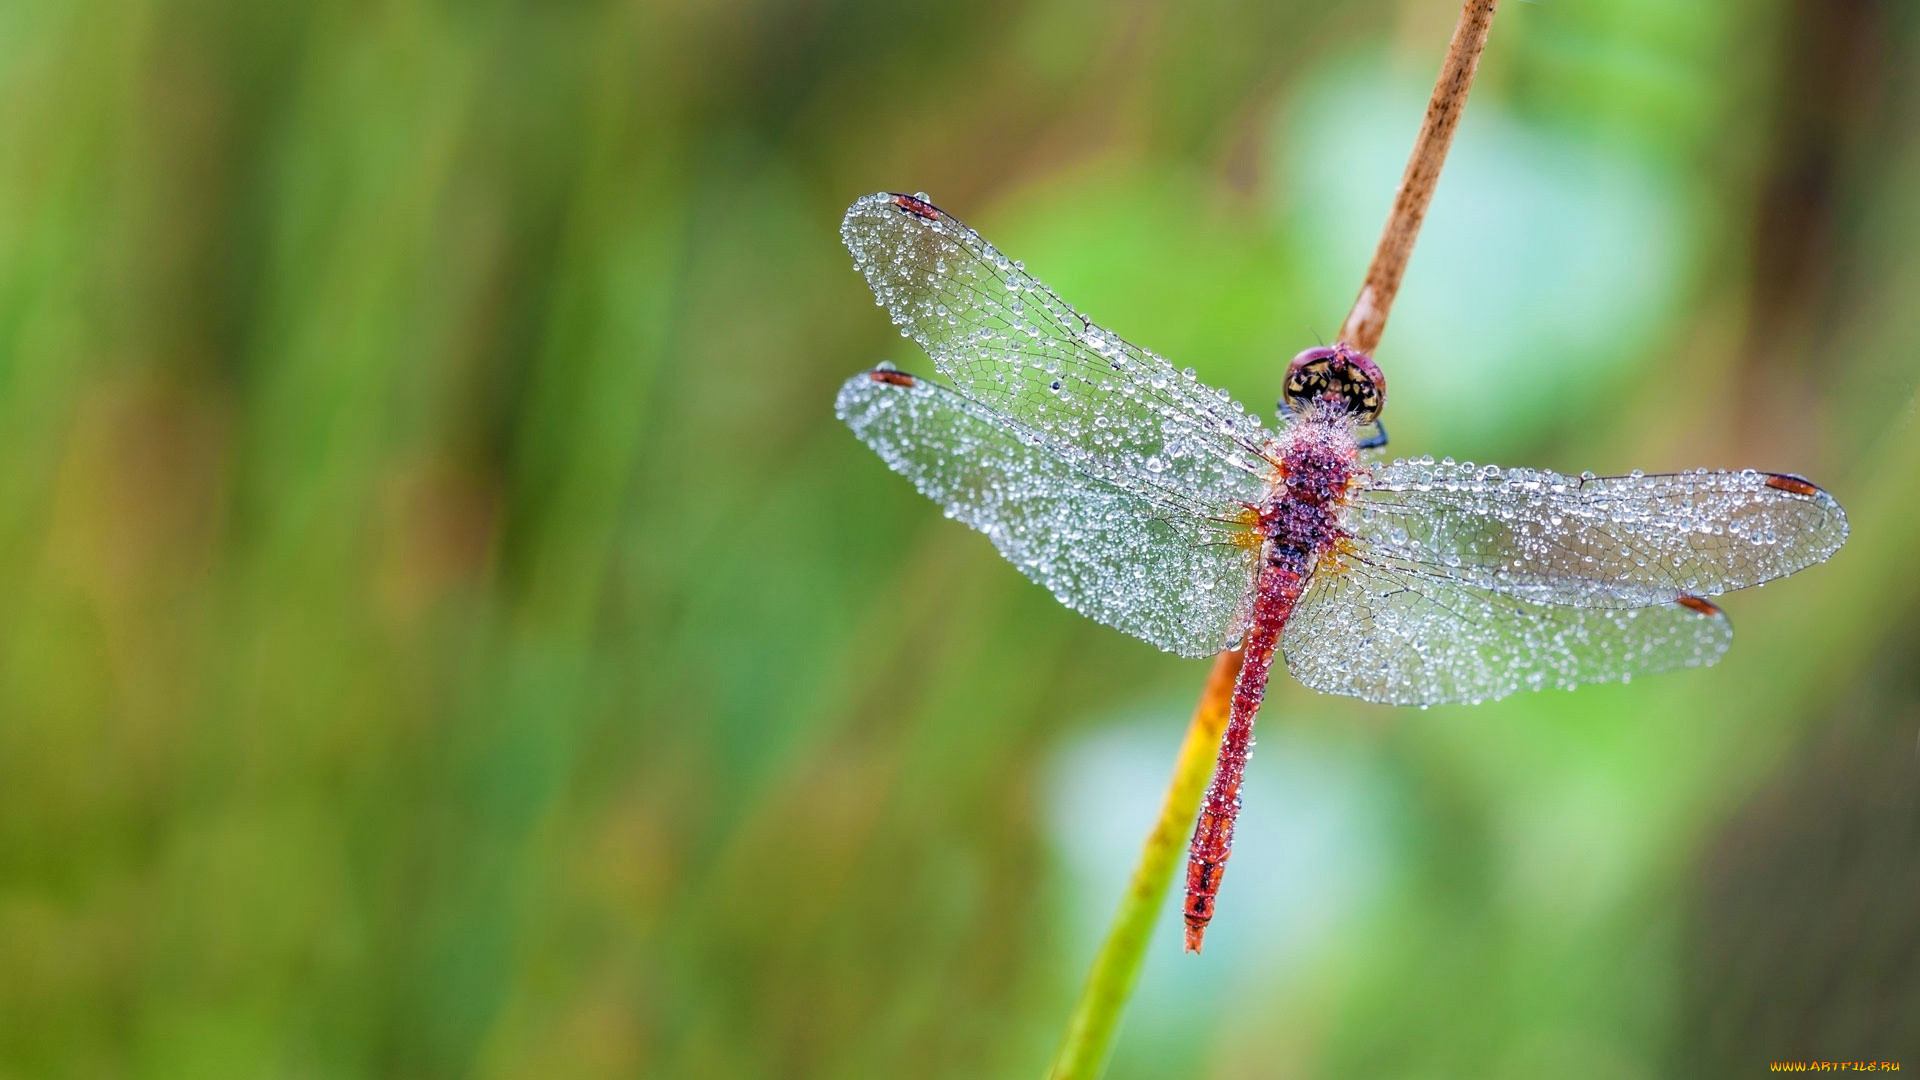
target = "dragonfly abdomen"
x: 1300, y: 520
x: 1281, y: 582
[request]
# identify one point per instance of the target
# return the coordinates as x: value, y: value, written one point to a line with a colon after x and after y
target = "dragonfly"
x: 1157, y: 505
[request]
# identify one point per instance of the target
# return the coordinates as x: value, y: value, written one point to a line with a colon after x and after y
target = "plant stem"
x: 1096, y: 1019
x: 1368, y: 319
x: 1115, y: 970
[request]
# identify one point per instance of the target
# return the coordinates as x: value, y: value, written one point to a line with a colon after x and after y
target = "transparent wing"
x: 1382, y: 634
x: 1152, y: 569
x: 1608, y: 541
x: 1114, y: 410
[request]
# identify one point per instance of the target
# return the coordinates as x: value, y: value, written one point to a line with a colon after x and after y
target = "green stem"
x: 1096, y: 1020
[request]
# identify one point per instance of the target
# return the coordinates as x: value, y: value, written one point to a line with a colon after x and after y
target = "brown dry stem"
x: 1368, y: 319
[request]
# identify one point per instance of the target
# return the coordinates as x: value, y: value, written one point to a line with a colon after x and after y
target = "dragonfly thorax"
x: 1317, y: 458
x: 1317, y: 461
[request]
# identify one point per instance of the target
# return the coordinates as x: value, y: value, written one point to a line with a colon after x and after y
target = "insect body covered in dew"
x: 1316, y: 460
x: 1157, y: 505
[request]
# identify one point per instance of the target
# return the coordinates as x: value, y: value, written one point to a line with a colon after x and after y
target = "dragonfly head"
x: 1346, y: 379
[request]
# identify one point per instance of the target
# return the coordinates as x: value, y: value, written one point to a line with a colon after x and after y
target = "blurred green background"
x: 447, y: 634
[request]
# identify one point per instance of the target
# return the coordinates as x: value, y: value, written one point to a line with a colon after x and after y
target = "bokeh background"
x: 445, y: 632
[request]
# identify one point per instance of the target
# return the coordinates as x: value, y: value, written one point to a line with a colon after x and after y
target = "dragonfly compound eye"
x: 1344, y: 378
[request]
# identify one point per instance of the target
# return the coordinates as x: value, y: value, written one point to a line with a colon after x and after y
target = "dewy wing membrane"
x: 1005, y: 340
x: 1610, y: 541
x: 1147, y: 568
x: 1384, y: 635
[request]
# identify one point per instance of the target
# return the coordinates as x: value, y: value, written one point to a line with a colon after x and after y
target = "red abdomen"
x: 1280, y: 584
x: 1316, y: 462
x: 1298, y: 524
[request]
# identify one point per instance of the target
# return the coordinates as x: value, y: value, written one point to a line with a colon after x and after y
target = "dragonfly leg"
x: 1372, y: 439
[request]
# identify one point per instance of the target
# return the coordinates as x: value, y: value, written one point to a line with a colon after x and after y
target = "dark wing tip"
x: 1700, y: 604
x: 880, y: 222
x: 863, y: 391
x: 1793, y: 485
x: 891, y: 377
x: 894, y: 202
x: 1833, y: 524
x: 915, y: 205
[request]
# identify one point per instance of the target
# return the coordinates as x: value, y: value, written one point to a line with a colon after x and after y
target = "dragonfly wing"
x: 1380, y: 633
x: 1608, y: 541
x: 1156, y: 570
x: 1005, y: 340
